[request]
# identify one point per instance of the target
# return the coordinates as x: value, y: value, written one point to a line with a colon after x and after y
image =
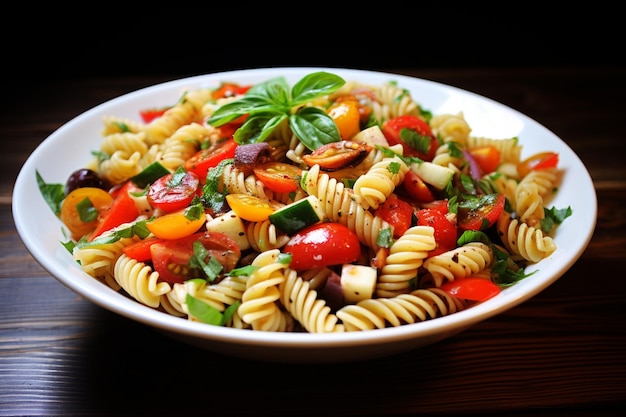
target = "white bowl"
x: 69, y: 148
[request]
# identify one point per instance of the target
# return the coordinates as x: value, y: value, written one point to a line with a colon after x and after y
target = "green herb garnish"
x: 269, y: 103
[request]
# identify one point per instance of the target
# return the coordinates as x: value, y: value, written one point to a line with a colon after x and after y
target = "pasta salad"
x: 326, y: 206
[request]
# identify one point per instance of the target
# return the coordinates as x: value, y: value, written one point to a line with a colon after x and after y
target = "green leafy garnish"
x: 211, y: 268
x: 212, y: 198
x: 138, y: 229
x: 385, y: 238
x: 86, y: 211
x: 207, y: 314
x: 269, y: 103
x: 554, y: 216
x: 53, y: 194
x: 415, y: 140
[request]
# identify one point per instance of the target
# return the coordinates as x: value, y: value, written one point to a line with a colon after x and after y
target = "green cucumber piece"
x: 297, y: 215
x: 150, y: 174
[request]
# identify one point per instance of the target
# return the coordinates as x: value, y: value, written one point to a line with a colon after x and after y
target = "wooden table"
x: 563, y: 353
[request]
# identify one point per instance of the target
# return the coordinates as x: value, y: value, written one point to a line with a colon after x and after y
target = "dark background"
x: 45, y: 43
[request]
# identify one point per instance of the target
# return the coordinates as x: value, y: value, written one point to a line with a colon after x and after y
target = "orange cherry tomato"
x: 81, y: 200
x: 279, y: 177
x: 487, y: 157
x: 346, y: 116
x: 175, y: 225
x: 249, y: 207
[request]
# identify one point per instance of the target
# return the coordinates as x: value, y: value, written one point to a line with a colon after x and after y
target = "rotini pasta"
x: 416, y: 210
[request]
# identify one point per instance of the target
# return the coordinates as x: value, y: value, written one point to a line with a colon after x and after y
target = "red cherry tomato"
x: 140, y: 250
x: 148, y: 115
x: 323, y: 244
x: 174, y: 191
x: 414, y: 134
x: 170, y: 258
x: 439, y: 205
x: 445, y: 231
x: 484, y: 215
x: 417, y: 189
x: 208, y: 158
x: 541, y: 160
x: 279, y: 177
x: 470, y: 288
x: 398, y: 213
x: 122, y: 210
x: 227, y: 130
x: 227, y: 90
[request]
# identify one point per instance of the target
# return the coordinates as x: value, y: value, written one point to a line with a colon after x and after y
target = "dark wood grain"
x: 559, y: 354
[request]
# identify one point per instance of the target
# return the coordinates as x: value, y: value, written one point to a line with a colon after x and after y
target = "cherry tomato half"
x: 279, y: 177
x: 484, y: 215
x: 470, y: 288
x: 250, y: 207
x: 417, y: 189
x: 398, y: 213
x: 170, y: 258
x: 414, y: 134
x: 487, y: 157
x: 140, y: 250
x: 208, y: 158
x: 175, y: 225
x: 346, y: 116
x: 148, y: 115
x: 122, y: 210
x: 174, y: 191
x: 89, y: 198
x: 540, y: 160
x: 227, y: 90
x: 445, y: 232
x: 323, y: 244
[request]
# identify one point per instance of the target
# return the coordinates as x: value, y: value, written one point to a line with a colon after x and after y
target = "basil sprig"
x: 269, y: 103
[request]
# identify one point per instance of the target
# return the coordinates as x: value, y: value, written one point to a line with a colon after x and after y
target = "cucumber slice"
x: 436, y: 175
x: 149, y: 174
x: 297, y: 215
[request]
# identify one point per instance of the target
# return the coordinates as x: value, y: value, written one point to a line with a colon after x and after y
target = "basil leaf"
x: 204, y: 312
x: 244, y: 105
x: 275, y: 89
x: 53, y: 194
x: 258, y: 127
x: 315, y: 85
x: 314, y: 127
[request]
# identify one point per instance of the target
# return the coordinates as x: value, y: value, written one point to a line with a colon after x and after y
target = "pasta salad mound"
x: 329, y: 205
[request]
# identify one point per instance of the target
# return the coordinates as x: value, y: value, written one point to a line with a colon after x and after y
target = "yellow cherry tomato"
x: 346, y: 116
x: 249, y: 207
x: 175, y: 225
x: 81, y: 202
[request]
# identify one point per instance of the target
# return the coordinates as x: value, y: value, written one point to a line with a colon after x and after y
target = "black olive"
x: 85, y: 178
